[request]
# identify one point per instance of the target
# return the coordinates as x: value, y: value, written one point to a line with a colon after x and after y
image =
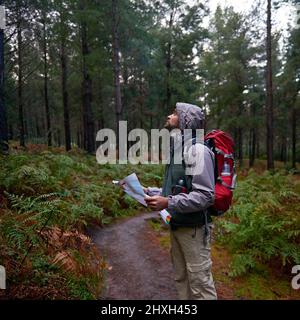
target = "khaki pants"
x: 192, y: 264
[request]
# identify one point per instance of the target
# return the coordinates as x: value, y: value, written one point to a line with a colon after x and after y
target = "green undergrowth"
x: 47, y: 199
x: 263, y: 225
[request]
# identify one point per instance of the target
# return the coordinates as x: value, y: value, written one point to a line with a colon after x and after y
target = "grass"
x: 162, y: 232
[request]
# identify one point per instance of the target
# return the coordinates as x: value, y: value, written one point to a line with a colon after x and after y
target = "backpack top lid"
x: 222, y: 141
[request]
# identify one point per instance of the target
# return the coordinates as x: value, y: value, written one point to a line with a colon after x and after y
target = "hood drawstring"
x: 194, y: 235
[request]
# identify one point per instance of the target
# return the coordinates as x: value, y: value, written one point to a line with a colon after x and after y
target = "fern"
x: 241, y: 264
x: 263, y: 223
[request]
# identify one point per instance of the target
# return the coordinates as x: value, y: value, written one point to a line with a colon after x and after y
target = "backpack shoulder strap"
x: 211, y: 145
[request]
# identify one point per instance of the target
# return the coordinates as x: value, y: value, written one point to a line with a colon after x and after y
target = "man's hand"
x: 157, y: 202
x: 145, y: 189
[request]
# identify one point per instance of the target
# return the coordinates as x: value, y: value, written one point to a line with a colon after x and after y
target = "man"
x: 190, y: 226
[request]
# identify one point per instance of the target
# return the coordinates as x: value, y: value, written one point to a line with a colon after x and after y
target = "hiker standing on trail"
x: 191, y: 224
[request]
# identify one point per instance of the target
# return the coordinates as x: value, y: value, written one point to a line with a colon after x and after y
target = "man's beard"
x: 168, y: 126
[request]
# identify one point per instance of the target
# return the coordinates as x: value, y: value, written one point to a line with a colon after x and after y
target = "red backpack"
x: 221, y: 144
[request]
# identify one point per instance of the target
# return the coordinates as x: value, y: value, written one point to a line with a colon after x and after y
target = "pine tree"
x: 3, y: 121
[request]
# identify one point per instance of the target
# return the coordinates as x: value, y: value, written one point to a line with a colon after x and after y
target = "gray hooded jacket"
x: 186, y: 208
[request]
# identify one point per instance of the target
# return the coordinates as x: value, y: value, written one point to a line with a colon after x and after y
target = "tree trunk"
x: 283, y: 149
x: 249, y: 146
x: 37, y: 127
x: 169, y: 64
x: 81, y: 139
x: 48, y: 120
x: 141, y: 100
x: 78, y: 138
x: 88, y: 122
x: 116, y: 63
x: 3, y: 121
x: 294, y: 136
x: 205, y: 120
x: 253, y: 139
x: 58, y: 138
x: 269, y: 104
x: 253, y: 148
x: 11, y: 132
x: 101, y: 106
x: 65, y: 93
x: 240, y: 144
x: 20, y: 81
x: 235, y: 135
x: 257, y: 146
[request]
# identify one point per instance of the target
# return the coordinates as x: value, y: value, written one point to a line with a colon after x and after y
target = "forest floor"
x: 139, y: 266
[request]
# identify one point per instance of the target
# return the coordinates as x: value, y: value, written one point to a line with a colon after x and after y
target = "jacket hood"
x: 190, y: 116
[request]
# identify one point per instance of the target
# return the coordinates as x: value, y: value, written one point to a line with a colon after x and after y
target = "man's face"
x: 172, y: 121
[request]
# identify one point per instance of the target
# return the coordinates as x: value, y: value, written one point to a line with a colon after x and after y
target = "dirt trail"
x: 140, y: 268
